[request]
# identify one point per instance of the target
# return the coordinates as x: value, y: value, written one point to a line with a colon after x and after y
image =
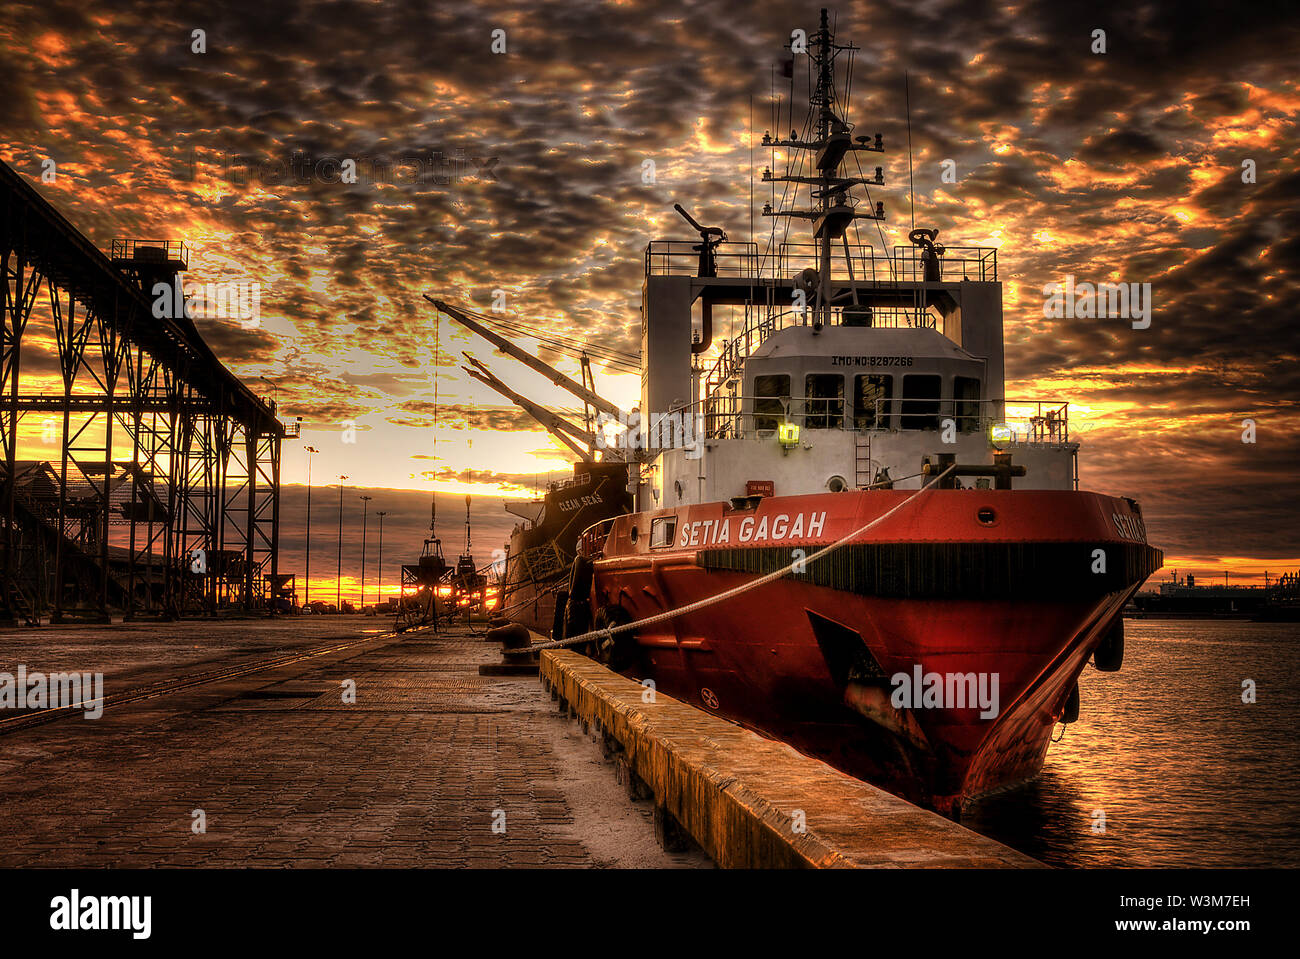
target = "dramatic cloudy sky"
x: 1125, y: 165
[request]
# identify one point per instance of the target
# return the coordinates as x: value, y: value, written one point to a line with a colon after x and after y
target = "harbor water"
x: 1184, y: 773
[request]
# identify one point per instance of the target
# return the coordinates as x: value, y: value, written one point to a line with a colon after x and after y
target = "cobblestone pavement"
x: 132, y: 654
x: 432, y: 765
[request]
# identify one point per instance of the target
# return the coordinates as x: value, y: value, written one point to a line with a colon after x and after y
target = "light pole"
x: 306, y: 563
x: 338, y: 579
x: 380, y: 574
x: 365, y: 509
x: 275, y: 387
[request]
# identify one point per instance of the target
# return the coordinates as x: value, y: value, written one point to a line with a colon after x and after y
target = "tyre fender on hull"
x: 1071, y: 713
x: 1108, y: 657
x: 577, y: 608
x: 619, y: 651
x: 557, y: 622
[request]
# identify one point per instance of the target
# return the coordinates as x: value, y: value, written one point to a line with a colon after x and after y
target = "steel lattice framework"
x: 164, y: 496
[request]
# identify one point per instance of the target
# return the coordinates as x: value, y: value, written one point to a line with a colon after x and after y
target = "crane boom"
x: 523, y: 356
x: 554, y: 424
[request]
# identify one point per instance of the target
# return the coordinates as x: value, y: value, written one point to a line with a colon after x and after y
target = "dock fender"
x: 557, y: 622
x: 1109, y: 654
x: 1071, y: 714
x: 618, y: 652
x: 577, y: 610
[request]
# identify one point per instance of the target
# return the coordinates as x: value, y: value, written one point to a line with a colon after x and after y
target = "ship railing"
x: 1008, y: 422
x: 591, y: 541
x: 957, y: 263
x: 862, y: 263
x: 1012, y: 422
x: 758, y: 327
x: 904, y: 264
x: 680, y: 258
x: 570, y: 483
x: 1037, y: 421
x: 884, y: 317
x: 172, y: 253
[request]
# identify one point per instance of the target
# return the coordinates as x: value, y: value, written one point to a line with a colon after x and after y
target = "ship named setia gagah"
x: 884, y: 560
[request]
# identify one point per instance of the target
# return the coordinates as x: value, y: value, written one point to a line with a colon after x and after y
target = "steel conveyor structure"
x: 149, y: 474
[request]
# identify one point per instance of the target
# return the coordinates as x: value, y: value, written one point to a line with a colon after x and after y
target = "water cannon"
x: 710, y: 238
x: 931, y: 252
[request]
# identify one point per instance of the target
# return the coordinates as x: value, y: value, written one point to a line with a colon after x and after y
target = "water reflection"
x: 1184, y: 772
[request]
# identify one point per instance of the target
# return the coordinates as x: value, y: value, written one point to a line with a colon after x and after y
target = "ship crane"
x: 563, y: 430
x: 556, y: 425
x: 523, y: 356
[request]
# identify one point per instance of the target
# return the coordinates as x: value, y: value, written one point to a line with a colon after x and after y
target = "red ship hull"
x: 1005, y: 584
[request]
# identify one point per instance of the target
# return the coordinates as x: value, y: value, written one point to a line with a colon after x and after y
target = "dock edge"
x: 739, y: 795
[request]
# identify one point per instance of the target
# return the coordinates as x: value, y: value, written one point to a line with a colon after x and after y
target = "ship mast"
x: 834, y: 207
x: 821, y: 101
x: 467, y: 538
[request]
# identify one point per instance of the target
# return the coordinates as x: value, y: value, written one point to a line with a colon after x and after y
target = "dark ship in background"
x: 534, y: 588
x: 530, y: 586
x: 1276, y: 601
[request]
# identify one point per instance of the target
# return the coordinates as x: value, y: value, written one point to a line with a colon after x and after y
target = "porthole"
x: 837, y: 484
x: 986, y: 516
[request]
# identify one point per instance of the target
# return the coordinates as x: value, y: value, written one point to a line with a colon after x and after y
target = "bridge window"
x: 824, y: 393
x: 921, y: 393
x: 966, y: 407
x: 871, y: 393
x: 662, y: 531
x: 771, y: 398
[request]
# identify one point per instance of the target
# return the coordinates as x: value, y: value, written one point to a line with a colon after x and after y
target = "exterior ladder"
x: 861, y: 460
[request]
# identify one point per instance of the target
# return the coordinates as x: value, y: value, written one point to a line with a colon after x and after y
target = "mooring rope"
x: 608, y: 632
